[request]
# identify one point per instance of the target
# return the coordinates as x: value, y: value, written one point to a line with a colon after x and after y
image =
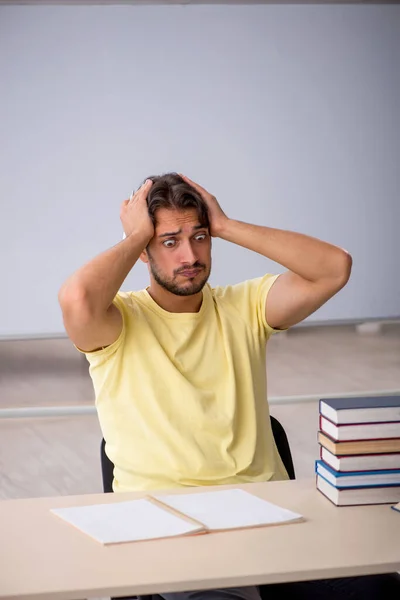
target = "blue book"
x: 376, y: 494
x: 357, y: 479
x: 377, y: 409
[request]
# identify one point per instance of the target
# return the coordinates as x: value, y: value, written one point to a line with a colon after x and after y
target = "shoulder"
x: 247, y: 300
x: 129, y: 301
x: 250, y: 289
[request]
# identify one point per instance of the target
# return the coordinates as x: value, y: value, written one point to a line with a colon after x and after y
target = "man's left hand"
x: 217, y: 217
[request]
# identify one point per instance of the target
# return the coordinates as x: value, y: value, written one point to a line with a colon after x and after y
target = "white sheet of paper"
x: 229, y: 509
x: 125, y: 521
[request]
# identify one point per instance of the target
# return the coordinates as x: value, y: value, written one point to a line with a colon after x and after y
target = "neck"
x: 173, y: 303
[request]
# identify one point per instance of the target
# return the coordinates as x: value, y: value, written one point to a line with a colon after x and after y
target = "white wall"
x: 290, y: 114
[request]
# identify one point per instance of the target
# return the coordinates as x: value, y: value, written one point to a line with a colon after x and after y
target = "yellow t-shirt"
x: 182, y: 397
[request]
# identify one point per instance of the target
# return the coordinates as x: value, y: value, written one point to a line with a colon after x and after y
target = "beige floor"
x: 52, y: 456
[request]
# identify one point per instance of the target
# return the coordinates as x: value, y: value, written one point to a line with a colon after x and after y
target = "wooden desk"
x: 42, y: 557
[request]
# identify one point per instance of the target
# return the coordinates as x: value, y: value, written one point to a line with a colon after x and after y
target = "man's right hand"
x: 135, y: 215
x: 91, y: 318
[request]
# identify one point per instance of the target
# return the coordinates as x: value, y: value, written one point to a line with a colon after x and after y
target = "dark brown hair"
x: 172, y: 192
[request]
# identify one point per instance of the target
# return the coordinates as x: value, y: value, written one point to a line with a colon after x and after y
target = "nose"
x: 187, y: 254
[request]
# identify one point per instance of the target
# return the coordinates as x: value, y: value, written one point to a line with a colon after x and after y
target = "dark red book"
x: 359, y: 431
x: 360, y: 462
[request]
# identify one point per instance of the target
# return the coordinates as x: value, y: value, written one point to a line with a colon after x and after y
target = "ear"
x: 143, y: 257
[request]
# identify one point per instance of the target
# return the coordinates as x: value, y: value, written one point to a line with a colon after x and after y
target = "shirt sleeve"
x: 249, y: 298
x: 97, y: 357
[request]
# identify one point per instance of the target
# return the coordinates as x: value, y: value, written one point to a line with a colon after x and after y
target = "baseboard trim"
x: 30, y: 412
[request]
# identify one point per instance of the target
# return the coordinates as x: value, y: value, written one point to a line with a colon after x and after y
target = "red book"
x: 361, y: 462
x: 360, y: 431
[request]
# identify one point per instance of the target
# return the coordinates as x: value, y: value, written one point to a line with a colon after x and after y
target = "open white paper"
x: 137, y: 520
x: 229, y: 509
x: 125, y: 521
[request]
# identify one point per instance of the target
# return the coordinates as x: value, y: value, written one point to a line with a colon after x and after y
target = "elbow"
x: 72, y: 298
x: 348, y: 265
x: 344, y: 268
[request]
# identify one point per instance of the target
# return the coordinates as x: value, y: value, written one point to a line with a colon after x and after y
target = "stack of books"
x: 359, y: 450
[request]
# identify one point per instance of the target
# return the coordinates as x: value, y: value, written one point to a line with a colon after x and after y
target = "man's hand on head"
x: 217, y: 217
x: 135, y: 215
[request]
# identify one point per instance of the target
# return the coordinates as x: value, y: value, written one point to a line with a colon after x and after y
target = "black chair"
x: 283, y: 447
x: 282, y: 444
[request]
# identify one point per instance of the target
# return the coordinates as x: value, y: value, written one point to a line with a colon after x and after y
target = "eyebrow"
x: 174, y: 233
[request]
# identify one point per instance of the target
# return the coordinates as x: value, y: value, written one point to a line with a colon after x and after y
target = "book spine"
x: 176, y: 512
x: 359, y: 487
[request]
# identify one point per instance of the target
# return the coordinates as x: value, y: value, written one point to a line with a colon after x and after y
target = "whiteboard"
x: 289, y: 114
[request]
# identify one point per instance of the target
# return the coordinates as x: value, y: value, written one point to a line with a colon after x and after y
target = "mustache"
x: 196, y: 265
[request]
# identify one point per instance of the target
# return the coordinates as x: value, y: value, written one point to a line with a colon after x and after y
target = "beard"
x: 189, y: 288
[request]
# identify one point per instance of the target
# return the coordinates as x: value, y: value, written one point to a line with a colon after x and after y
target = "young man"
x: 179, y: 368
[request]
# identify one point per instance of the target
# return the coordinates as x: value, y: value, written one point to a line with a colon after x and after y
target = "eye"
x: 169, y: 243
x: 200, y: 237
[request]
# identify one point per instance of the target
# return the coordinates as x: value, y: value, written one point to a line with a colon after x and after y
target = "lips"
x: 190, y: 273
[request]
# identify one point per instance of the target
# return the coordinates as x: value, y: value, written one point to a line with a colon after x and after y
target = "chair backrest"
x: 283, y: 447
x: 107, y: 469
x: 281, y: 441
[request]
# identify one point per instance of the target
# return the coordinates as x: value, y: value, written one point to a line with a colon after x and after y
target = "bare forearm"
x: 306, y: 256
x: 98, y: 281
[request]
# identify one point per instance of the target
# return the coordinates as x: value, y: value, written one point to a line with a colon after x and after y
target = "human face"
x: 179, y: 254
